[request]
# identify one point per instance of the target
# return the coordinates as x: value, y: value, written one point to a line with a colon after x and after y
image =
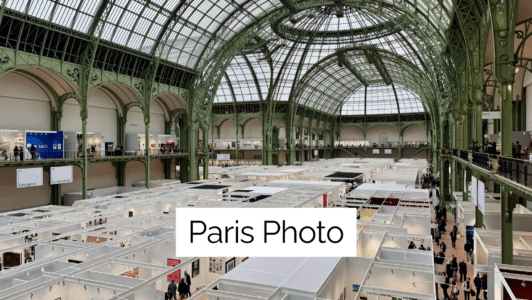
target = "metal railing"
x: 482, y: 160
x: 455, y: 153
x: 464, y: 155
x: 516, y: 170
x: 11, y: 156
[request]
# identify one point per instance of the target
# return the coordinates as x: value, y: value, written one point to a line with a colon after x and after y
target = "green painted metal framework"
x: 305, y: 65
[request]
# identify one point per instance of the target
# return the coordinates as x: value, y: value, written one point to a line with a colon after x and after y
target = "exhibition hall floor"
x: 458, y: 252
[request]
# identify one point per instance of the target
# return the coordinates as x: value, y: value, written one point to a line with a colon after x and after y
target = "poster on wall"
x: 176, y: 276
x: 229, y: 265
x: 474, y: 191
x: 195, y: 268
x: 223, y: 156
x: 215, y: 265
x: 60, y: 175
x: 29, y: 177
x: 376, y: 151
x: 47, y: 144
x: 481, y: 197
x: 387, y: 151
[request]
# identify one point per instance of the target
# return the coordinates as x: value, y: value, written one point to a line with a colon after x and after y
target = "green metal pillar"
x: 506, y: 226
x: 85, y: 161
x: 146, y: 110
x: 401, y: 143
x: 479, y: 133
x: 444, y: 183
x: 121, y: 131
x: 206, y: 151
x: 56, y: 197
x: 120, y: 167
x: 237, y: 144
x: 467, y: 179
x: 184, y: 174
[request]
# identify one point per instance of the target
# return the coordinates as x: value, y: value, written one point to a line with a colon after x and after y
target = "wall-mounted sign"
x: 60, y: 175
x: 29, y: 177
x: 223, y: 156
x: 315, y: 152
x: 376, y: 151
x: 176, y: 276
x: 491, y: 115
x: 387, y: 151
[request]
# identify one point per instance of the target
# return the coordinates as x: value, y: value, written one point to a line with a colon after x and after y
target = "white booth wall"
x: 373, y: 134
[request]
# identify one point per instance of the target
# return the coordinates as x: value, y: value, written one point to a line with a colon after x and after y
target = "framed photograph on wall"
x: 229, y: 265
x: 195, y: 268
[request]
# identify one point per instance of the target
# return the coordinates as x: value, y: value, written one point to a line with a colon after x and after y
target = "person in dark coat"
x: 182, y: 289
x: 454, y: 234
x: 15, y: 153
x: 21, y: 153
x: 445, y: 287
x: 412, y: 245
x: 173, y: 288
x: 462, y: 266
x: 32, y: 151
x: 449, y: 270
x: 478, y: 285
x: 443, y: 247
x: 188, y: 282
x: 484, y: 281
x: 454, y: 262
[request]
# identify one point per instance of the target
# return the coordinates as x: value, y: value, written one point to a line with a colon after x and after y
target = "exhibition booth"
x: 45, y: 144
x: 522, y: 217
x: 243, y: 144
x: 487, y: 253
x: 512, y: 282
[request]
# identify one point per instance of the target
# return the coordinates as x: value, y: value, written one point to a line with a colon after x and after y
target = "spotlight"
x: 42, y: 269
x: 27, y: 273
x: 523, y: 284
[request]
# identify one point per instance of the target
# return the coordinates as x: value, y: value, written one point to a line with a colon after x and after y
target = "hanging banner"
x: 481, y: 197
x: 47, y: 144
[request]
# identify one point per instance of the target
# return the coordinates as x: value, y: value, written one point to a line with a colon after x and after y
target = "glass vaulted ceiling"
x: 137, y: 24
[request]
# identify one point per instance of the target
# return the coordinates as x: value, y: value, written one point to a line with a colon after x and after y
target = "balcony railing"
x: 482, y: 160
x: 12, y: 157
x: 516, y: 170
x: 464, y: 155
x: 455, y: 153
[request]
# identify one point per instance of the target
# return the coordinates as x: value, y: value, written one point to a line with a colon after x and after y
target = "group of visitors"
x: 18, y: 152
x: 428, y: 181
x: 183, y: 289
x: 490, y: 148
x: 421, y: 247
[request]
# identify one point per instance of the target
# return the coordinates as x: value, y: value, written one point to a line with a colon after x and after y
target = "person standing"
x: 15, y: 153
x: 188, y: 282
x: 478, y: 285
x: 466, y: 287
x: 445, y: 287
x: 437, y: 236
x: 449, y: 270
x: 517, y: 150
x: 182, y: 289
x: 173, y: 288
x: 443, y: 247
x: 453, y: 238
x: 463, y: 270
x: 21, y: 153
x: 32, y: 151
x: 455, y: 266
x: 485, y: 285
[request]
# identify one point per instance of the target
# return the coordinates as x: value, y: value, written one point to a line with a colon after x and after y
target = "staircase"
x: 351, y: 153
x: 418, y: 151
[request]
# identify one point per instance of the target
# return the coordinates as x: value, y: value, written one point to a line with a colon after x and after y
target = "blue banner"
x: 47, y: 145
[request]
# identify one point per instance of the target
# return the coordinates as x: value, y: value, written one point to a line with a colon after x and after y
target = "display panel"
x: 60, y: 175
x: 481, y: 197
x: 176, y: 276
x: 474, y: 191
x: 223, y: 156
x: 387, y: 151
x: 29, y: 177
x: 376, y: 151
x: 47, y: 144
